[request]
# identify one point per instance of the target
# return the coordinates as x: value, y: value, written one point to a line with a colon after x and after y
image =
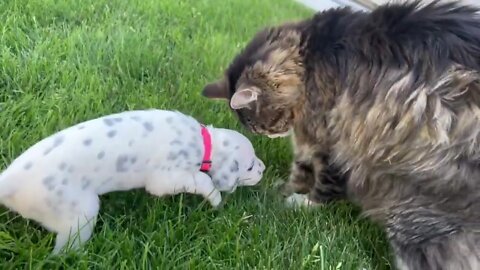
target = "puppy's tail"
x: 6, y: 187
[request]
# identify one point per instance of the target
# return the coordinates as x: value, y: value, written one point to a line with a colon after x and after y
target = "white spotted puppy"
x: 57, y: 181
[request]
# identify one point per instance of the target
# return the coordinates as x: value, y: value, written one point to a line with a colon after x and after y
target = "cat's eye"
x: 251, y: 167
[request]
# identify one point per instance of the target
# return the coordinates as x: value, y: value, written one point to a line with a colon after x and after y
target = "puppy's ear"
x: 243, y: 98
x: 216, y: 90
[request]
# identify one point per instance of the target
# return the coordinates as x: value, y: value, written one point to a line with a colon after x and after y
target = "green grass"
x: 63, y: 62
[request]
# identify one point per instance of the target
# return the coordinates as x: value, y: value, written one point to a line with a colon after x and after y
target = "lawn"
x: 67, y: 61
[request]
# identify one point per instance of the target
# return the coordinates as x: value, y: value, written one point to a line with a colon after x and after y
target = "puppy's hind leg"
x: 171, y: 183
x: 77, y: 223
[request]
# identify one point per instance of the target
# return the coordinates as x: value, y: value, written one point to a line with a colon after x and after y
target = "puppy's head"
x: 234, y: 162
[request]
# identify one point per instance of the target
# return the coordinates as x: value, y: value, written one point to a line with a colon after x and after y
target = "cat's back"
x: 407, y: 82
x: 399, y: 34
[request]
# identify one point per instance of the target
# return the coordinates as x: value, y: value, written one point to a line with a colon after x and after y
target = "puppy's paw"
x: 300, y: 200
x: 215, y: 199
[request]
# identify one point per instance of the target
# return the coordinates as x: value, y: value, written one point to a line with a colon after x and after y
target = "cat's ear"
x: 216, y: 90
x: 243, y: 98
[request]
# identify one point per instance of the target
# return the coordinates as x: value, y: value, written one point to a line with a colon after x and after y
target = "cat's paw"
x: 279, y: 184
x: 283, y: 188
x: 300, y: 200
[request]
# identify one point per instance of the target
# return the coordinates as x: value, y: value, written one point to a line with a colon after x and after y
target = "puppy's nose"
x: 262, y: 165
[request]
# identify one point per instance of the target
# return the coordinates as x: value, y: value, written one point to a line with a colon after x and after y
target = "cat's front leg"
x: 313, y: 182
x: 301, y: 179
x: 330, y: 184
x: 300, y: 182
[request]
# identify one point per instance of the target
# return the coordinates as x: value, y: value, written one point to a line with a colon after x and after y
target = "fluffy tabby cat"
x: 389, y: 99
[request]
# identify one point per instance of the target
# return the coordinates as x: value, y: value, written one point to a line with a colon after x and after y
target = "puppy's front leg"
x: 204, y: 186
x: 172, y: 183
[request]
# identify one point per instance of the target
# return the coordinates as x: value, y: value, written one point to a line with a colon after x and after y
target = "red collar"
x: 207, y: 144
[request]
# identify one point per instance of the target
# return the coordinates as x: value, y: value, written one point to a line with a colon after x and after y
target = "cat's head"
x: 264, y: 83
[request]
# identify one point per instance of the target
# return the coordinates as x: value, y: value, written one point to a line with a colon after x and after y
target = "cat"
x: 388, y: 102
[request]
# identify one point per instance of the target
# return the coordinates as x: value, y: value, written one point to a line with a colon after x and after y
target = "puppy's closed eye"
x: 251, y: 166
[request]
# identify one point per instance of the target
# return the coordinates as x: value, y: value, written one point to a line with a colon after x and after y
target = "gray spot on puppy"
x: 121, y: 164
x: 171, y: 156
x: 198, y: 152
x: 183, y: 153
x: 216, y: 182
x: 71, y: 169
x: 174, y: 156
x: 133, y: 160
x: 176, y: 142
x: 64, y: 181
x: 87, y: 142
x: 73, y: 204
x: 85, y: 182
x: 234, y: 167
x: 112, y: 133
x: 118, y: 119
x: 136, y: 118
x: 62, y: 166
x: 237, y: 147
x: 59, y: 193
x: 226, y: 143
x: 101, y: 154
x: 49, y: 202
x: 108, y: 122
x: 56, y: 142
x: 48, y: 182
x: 148, y: 126
x: 81, y: 127
x: 130, y: 143
x: 28, y: 165
x: 169, y: 120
